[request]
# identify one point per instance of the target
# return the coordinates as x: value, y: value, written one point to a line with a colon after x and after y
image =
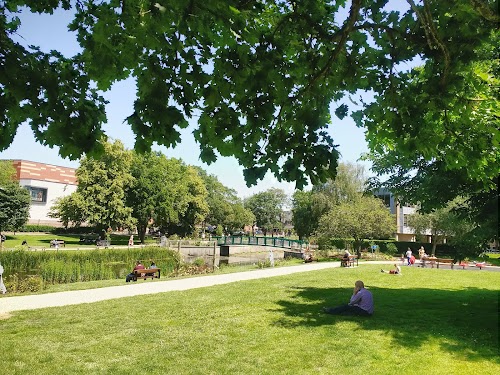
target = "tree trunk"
x: 141, y: 231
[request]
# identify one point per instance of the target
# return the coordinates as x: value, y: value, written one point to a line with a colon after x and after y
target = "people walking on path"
x: 408, y: 256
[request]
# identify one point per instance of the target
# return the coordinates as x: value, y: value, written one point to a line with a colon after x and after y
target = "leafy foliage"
x: 100, y: 195
x: 267, y: 207
x: 224, y: 206
x: 447, y: 145
x: 308, y: 207
x: 448, y: 223
x: 7, y: 172
x: 365, y: 217
x: 158, y: 191
x: 193, y: 194
x: 261, y: 75
x: 14, y: 200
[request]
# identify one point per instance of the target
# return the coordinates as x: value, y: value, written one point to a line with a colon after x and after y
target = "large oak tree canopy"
x: 259, y: 76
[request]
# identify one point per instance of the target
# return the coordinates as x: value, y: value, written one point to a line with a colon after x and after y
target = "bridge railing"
x: 261, y: 241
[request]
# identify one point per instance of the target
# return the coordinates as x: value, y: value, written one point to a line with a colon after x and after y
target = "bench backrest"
x: 148, y: 271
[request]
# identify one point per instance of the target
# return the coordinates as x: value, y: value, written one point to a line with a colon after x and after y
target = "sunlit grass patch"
x: 426, y: 321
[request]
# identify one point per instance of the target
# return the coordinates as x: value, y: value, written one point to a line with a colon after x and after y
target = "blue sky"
x: 50, y: 32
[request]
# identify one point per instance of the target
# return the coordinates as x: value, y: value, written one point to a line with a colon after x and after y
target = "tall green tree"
x: 302, y: 216
x: 349, y: 184
x: 308, y: 207
x: 100, y: 196
x: 155, y: 193
x: 267, y: 207
x: 364, y: 218
x: 14, y: 200
x: 71, y: 210
x: 261, y: 74
x: 7, y: 172
x: 239, y: 218
x: 193, y: 200
x: 225, y: 208
x: 447, y: 224
x: 455, y: 151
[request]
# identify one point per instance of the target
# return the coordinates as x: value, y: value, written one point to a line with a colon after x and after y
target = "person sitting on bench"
x: 138, y: 266
x: 345, y: 258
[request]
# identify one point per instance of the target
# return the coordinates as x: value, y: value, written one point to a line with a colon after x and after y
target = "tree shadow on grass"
x: 465, y: 320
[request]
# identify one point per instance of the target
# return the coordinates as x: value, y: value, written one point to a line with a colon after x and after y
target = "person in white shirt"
x: 3, y: 289
x: 408, y: 256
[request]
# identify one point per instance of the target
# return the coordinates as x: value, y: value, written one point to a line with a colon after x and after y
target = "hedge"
x: 442, y: 250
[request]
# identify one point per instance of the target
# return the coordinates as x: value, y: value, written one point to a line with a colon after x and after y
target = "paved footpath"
x: 17, y: 303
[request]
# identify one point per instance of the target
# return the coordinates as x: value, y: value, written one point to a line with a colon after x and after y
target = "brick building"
x: 45, y: 183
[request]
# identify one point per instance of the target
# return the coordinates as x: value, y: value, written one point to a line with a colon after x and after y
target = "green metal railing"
x: 261, y: 241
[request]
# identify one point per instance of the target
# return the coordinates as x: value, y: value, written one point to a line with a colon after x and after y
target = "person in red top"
x: 138, y: 266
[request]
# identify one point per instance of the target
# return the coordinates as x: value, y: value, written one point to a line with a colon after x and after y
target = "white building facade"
x: 46, y: 183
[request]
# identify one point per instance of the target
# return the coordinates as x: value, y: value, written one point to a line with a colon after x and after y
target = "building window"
x: 386, y: 198
x: 405, y: 220
x: 38, y: 195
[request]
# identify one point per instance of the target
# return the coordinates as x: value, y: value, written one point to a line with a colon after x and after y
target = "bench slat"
x: 148, y: 272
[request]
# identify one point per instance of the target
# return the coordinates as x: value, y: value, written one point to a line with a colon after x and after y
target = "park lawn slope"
x: 426, y: 321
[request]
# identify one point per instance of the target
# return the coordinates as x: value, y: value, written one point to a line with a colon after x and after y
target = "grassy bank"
x: 426, y: 321
x: 42, y: 240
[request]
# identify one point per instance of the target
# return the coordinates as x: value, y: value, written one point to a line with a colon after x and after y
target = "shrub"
x: 199, y: 262
x: 391, y: 249
x: 37, y: 228
x: 16, y: 284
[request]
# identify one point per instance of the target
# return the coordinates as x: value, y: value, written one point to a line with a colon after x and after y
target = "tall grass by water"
x: 55, y: 267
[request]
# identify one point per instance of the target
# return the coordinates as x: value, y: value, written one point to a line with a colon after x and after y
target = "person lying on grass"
x: 361, y: 303
x: 395, y: 271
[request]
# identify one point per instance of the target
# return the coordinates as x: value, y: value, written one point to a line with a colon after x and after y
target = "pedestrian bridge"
x: 285, y: 243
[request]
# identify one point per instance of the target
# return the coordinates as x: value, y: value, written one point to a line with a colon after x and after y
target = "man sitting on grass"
x: 361, y: 303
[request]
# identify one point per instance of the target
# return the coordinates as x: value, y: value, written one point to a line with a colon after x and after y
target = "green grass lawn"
x: 427, y: 321
x: 71, y: 241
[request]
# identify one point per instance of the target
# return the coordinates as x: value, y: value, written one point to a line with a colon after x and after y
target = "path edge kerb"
x: 39, y: 301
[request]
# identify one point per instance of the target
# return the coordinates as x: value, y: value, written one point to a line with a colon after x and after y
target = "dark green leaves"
x: 260, y: 75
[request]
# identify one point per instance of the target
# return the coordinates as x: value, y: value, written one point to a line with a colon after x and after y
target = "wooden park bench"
x: 102, y: 243
x: 53, y: 243
x: 445, y: 261
x: 348, y: 262
x: 436, y: 261
x: 144, y: 274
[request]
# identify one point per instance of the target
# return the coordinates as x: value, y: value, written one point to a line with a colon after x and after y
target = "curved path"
x: 31, y: 302
x: 9, y: 304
